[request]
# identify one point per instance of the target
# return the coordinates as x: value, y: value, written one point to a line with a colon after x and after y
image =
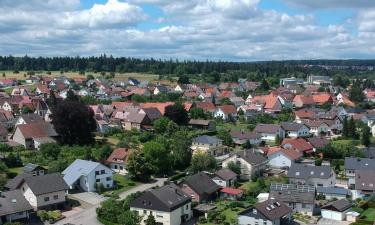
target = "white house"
x: 282, y: 158
x: 269, y: 132
x: 169, y: 205
x: 318, y: 176
x: 117, y: 160
x: 295, y: 130
x: 14, y: 206
x: 44, y: 191
x: 87, y: 175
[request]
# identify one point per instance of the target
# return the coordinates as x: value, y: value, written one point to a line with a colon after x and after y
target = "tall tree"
x: 345, y: 128
x: 177, y: 113
x: 139, y: 167
x: 74, y: 122
x: 157, y: 153
x: 202, y: 161
x: 366, y: 136
x: 150, y: 220
x: 352, y: 128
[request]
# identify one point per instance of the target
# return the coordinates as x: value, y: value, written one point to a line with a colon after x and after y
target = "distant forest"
x: 250, y: 70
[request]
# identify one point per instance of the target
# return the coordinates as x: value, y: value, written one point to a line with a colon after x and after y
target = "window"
x: 96, y: 172
x: 97, y: 180
x: 121, y: 167
x: 55, y: 197
x: 46, y: 199
x: 107, y: 185
x: 304, y: 206
x: 187, y: 207
x: 144, y: 212
x: 102, y: 172
x: 108, y: 178
x: 116, y: 167
x: 20, y: 213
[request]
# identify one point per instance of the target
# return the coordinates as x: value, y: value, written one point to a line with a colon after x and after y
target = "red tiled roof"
x: 303, y: 113
x: 206, y: 106
x: 119, y: 155
x: 231, y: 191
x: 299, y: 144
x: 320, y: 99
x: 159, y: 105
x: 228, y: 109
x: 292, y: 154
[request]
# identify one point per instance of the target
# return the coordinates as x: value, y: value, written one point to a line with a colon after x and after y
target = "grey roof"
x: 31, y: 118
x: 199, y: 122
x: 303, y: 171
x: 136, y: 117
x: 162, y: 88
x: 273, y: 209
x: 289, y: 193
x: 226, y: 174
x: 317, y: 142
x: 339, y: 205
x: 290, y: 126
x: 365, y: 180
x: 165, y: 199
x: 30, y: 167
x: 333, y: 190
x: 16, y: 181
x: 205, y: 139
x: 13, y: 202
x: 201, y: 183
x: 267, y: 128
x: 152, y: 113
x: 46, y: 183
x: 251, y: 157
x: 78, y: 168
x: 244, y: 135
x: 352, y: 163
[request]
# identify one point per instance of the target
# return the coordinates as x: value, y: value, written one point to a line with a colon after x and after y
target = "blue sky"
x: 236, y: 30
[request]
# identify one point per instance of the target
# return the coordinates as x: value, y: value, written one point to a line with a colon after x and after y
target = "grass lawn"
x: 123, y: 184
x: 369, y: 214
x: 17, y: 170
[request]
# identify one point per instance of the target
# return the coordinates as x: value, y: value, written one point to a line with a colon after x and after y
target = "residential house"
x: 303, y: 115
x: 206, y: 143
x: 295, y: 130
x: 297, y: 144
x: 28, y: 119
x: 269, y: 132
x: 45, y: 191
x: 303, y: 101
x: 269, y: 212
x: 87, y: 175
x: 229, y: 193
x: 242, y: 137
x: 168, y: 204
x: 20, y: 92
x: 333, y: 192
x: 117, y: 160
x: 322, y: 98
x: 3, y: 133
x: 271, y: 103
x: 136, y: 120
x: 160, y: 89
x: 225, y: 177
x: 318, y: 127
x: 206, y: 106
x: 364, y: 184
x: 317, y: 142
x: 336, y: 210
x: 14, y: 206
x: 152, y: 113
x: 318, y: 176
x: 226, y: 112
x: 352, y: 165
x: 203, y: 124
x: 300, y: 198
x: 200, y: 187
x: 318, y: 80
x: 34, y: 134
x: 282, y: 158
x: 251, y: 163
x: 34, y: 169
x: 237, y: 101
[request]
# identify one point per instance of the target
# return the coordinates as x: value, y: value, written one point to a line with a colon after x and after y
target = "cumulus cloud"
x: 321, y: 4
x: 189, y: 29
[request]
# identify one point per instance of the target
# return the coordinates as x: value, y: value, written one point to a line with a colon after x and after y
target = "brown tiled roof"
x: 119, y: 155
x: 206, y: 106
x: 35, y: 130
x: 228, y: 109
x: 299, y: 144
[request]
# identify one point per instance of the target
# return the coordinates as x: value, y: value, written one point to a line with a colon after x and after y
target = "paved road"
x: 88, y: 216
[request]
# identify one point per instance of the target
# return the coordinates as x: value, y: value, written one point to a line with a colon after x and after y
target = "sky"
x: 234, y: 30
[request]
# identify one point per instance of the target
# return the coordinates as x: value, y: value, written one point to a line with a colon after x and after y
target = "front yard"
x: 368, y: 214
x: 122, y: 184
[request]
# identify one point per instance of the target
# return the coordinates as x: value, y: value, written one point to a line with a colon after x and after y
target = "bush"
x: 202, y: 219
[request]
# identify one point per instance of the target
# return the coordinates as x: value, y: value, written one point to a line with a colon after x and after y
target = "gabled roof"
x: 273, y: 209
x: 317, y: 142
x: 352, y: 163
x: 36, y: 130
x: 164, y: 199
x: 305, y: 114
x: 201, y: 183
x: 333, y: 190
x: 293, y: 193
x: 12, y: 202
x: 338, y: 205
x: 31, y: 167
x: 226, y: 174
x: 205, y: 139
x: 267, y: 128
x: 251, y: 157
x: 365, y: 180
x: 242, y: 135
x: 206, y: 106
x: 152, y: 113
x: 290, y: 126
x: 119, y: 155
x: 303, y: 171
x: 228, y: 109
x: 16, y: 181
x: 31, y: 118
x: 291, y: 154
x: 78, y: 168
x: 299, y: 144
x: 322, y: 98
x: 46, y: 183
x: 199, y: 122
x: 231, y: 191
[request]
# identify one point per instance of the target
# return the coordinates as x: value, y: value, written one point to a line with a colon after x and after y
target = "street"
x: 88, y: 216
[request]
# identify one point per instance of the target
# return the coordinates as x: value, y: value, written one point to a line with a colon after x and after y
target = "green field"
x: 369, y: 214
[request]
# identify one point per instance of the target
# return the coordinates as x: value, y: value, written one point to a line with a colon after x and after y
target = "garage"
x: 336, y: 210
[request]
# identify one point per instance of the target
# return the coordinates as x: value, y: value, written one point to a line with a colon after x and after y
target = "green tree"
x: 234, y: 167
x: 138, y: 167
x: 160, y: 125
x: 71, y: 96
x: 345, y: 128
x: 278, y: 140
x: 366, y: 136
x: 352, y: 129
x: 74, y: 122
x: 150, y: 220
x: 202, y: 161
x: 177, y: 113
x: 128, y: 218
x: 226, y: 137
x: 355, y: 93
x: 102, y: 153
x: 197, y: 113
x: 180, y: 149
x: 157, y: 153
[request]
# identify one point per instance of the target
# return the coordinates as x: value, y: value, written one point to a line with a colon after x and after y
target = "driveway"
x: 323, y: 221
x: 88, y: 216
x: 91, y: 198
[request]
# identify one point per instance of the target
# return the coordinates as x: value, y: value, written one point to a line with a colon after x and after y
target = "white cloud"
x: 321, y: 4
x: 214, y: 29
